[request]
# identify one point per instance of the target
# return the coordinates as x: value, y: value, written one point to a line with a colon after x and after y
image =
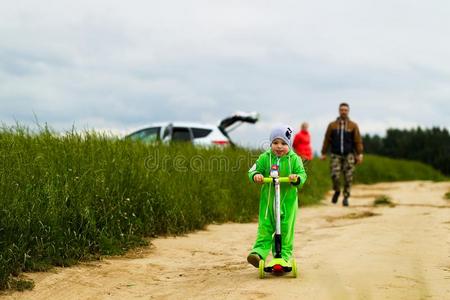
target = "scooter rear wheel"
x: 294, y: 267
x: 261, y: 271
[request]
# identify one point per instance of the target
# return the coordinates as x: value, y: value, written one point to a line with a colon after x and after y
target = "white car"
x: 197, y: 133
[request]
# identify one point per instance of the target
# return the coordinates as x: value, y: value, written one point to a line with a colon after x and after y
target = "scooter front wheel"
x: 262, y: 273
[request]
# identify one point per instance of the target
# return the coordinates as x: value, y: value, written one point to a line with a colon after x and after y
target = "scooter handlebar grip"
x: 281, y: 179
x: 285, y: 179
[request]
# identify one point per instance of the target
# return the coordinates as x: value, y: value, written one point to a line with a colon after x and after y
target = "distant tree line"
x: 431, y: 146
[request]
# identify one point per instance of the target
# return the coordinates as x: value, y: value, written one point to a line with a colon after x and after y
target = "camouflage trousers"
x: 342, y: 164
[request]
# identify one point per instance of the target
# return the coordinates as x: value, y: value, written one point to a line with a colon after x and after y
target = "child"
x: 289, y: 164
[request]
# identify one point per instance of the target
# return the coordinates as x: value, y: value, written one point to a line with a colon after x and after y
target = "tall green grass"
x: 72, y: 197
x: 77, y: 196
x: 317, y: 183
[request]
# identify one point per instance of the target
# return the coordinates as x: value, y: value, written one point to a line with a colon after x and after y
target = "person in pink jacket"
x: 302, y: 143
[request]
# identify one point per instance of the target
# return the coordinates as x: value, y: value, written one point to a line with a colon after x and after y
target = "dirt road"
x: 360, y: 252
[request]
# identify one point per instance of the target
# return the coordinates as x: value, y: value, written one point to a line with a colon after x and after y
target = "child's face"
x: 279, y: 147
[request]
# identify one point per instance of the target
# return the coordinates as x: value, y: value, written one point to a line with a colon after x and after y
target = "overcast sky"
x: 120, y: 64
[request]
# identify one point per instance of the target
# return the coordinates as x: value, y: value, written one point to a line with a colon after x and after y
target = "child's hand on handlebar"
x: 258, y: 178
x: 293, y: 177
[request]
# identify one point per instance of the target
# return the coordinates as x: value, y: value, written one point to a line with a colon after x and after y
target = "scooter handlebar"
x: 280, y: 179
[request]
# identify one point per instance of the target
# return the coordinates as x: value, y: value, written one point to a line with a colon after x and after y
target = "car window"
x: 146, y: 135
x: 200, y: 132
x: 181, y: 134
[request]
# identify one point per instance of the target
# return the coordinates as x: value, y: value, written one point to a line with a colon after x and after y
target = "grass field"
x: 72, y: 197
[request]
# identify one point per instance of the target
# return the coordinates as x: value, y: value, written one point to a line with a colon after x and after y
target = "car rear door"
x: 180, y: 134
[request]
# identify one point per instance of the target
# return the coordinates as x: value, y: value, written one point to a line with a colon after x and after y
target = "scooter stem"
x: 277, y: 238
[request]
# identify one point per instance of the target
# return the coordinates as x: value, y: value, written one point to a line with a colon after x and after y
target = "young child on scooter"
x: 289, y: 165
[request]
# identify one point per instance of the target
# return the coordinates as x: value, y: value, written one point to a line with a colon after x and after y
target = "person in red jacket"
x: 302, y: 143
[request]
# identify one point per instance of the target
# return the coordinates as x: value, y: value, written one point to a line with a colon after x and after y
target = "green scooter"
x: 277, y: 266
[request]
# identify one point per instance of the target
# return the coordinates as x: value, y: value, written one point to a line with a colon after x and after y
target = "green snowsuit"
x: 288, y: 164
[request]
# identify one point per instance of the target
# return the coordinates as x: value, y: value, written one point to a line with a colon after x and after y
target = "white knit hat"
x: 283, y: 132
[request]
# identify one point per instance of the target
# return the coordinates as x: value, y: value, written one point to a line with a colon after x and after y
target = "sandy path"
x: 401, y: 252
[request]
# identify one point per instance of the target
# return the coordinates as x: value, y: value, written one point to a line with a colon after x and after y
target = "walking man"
x: 346, y: 145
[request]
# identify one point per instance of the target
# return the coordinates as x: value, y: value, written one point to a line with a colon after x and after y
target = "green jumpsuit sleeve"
x: 299, y: 170
x: 258, y: 167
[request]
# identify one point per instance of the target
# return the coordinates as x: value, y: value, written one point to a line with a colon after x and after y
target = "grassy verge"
x: 374, y: 169
x: 77, y: 196
x: 379, y: 169
x: 383, y: 200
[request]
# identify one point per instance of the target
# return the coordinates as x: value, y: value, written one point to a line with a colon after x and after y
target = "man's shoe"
x: 335, y: 198
x: 253, y: 259
x: 345, y: 201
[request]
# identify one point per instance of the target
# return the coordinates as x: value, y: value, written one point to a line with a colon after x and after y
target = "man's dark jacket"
x: 343, y: 136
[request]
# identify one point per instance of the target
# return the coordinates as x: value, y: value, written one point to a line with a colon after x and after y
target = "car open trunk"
x: 237, y: 119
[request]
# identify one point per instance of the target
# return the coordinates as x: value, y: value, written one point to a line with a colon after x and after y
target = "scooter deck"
x: 278, y: 265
